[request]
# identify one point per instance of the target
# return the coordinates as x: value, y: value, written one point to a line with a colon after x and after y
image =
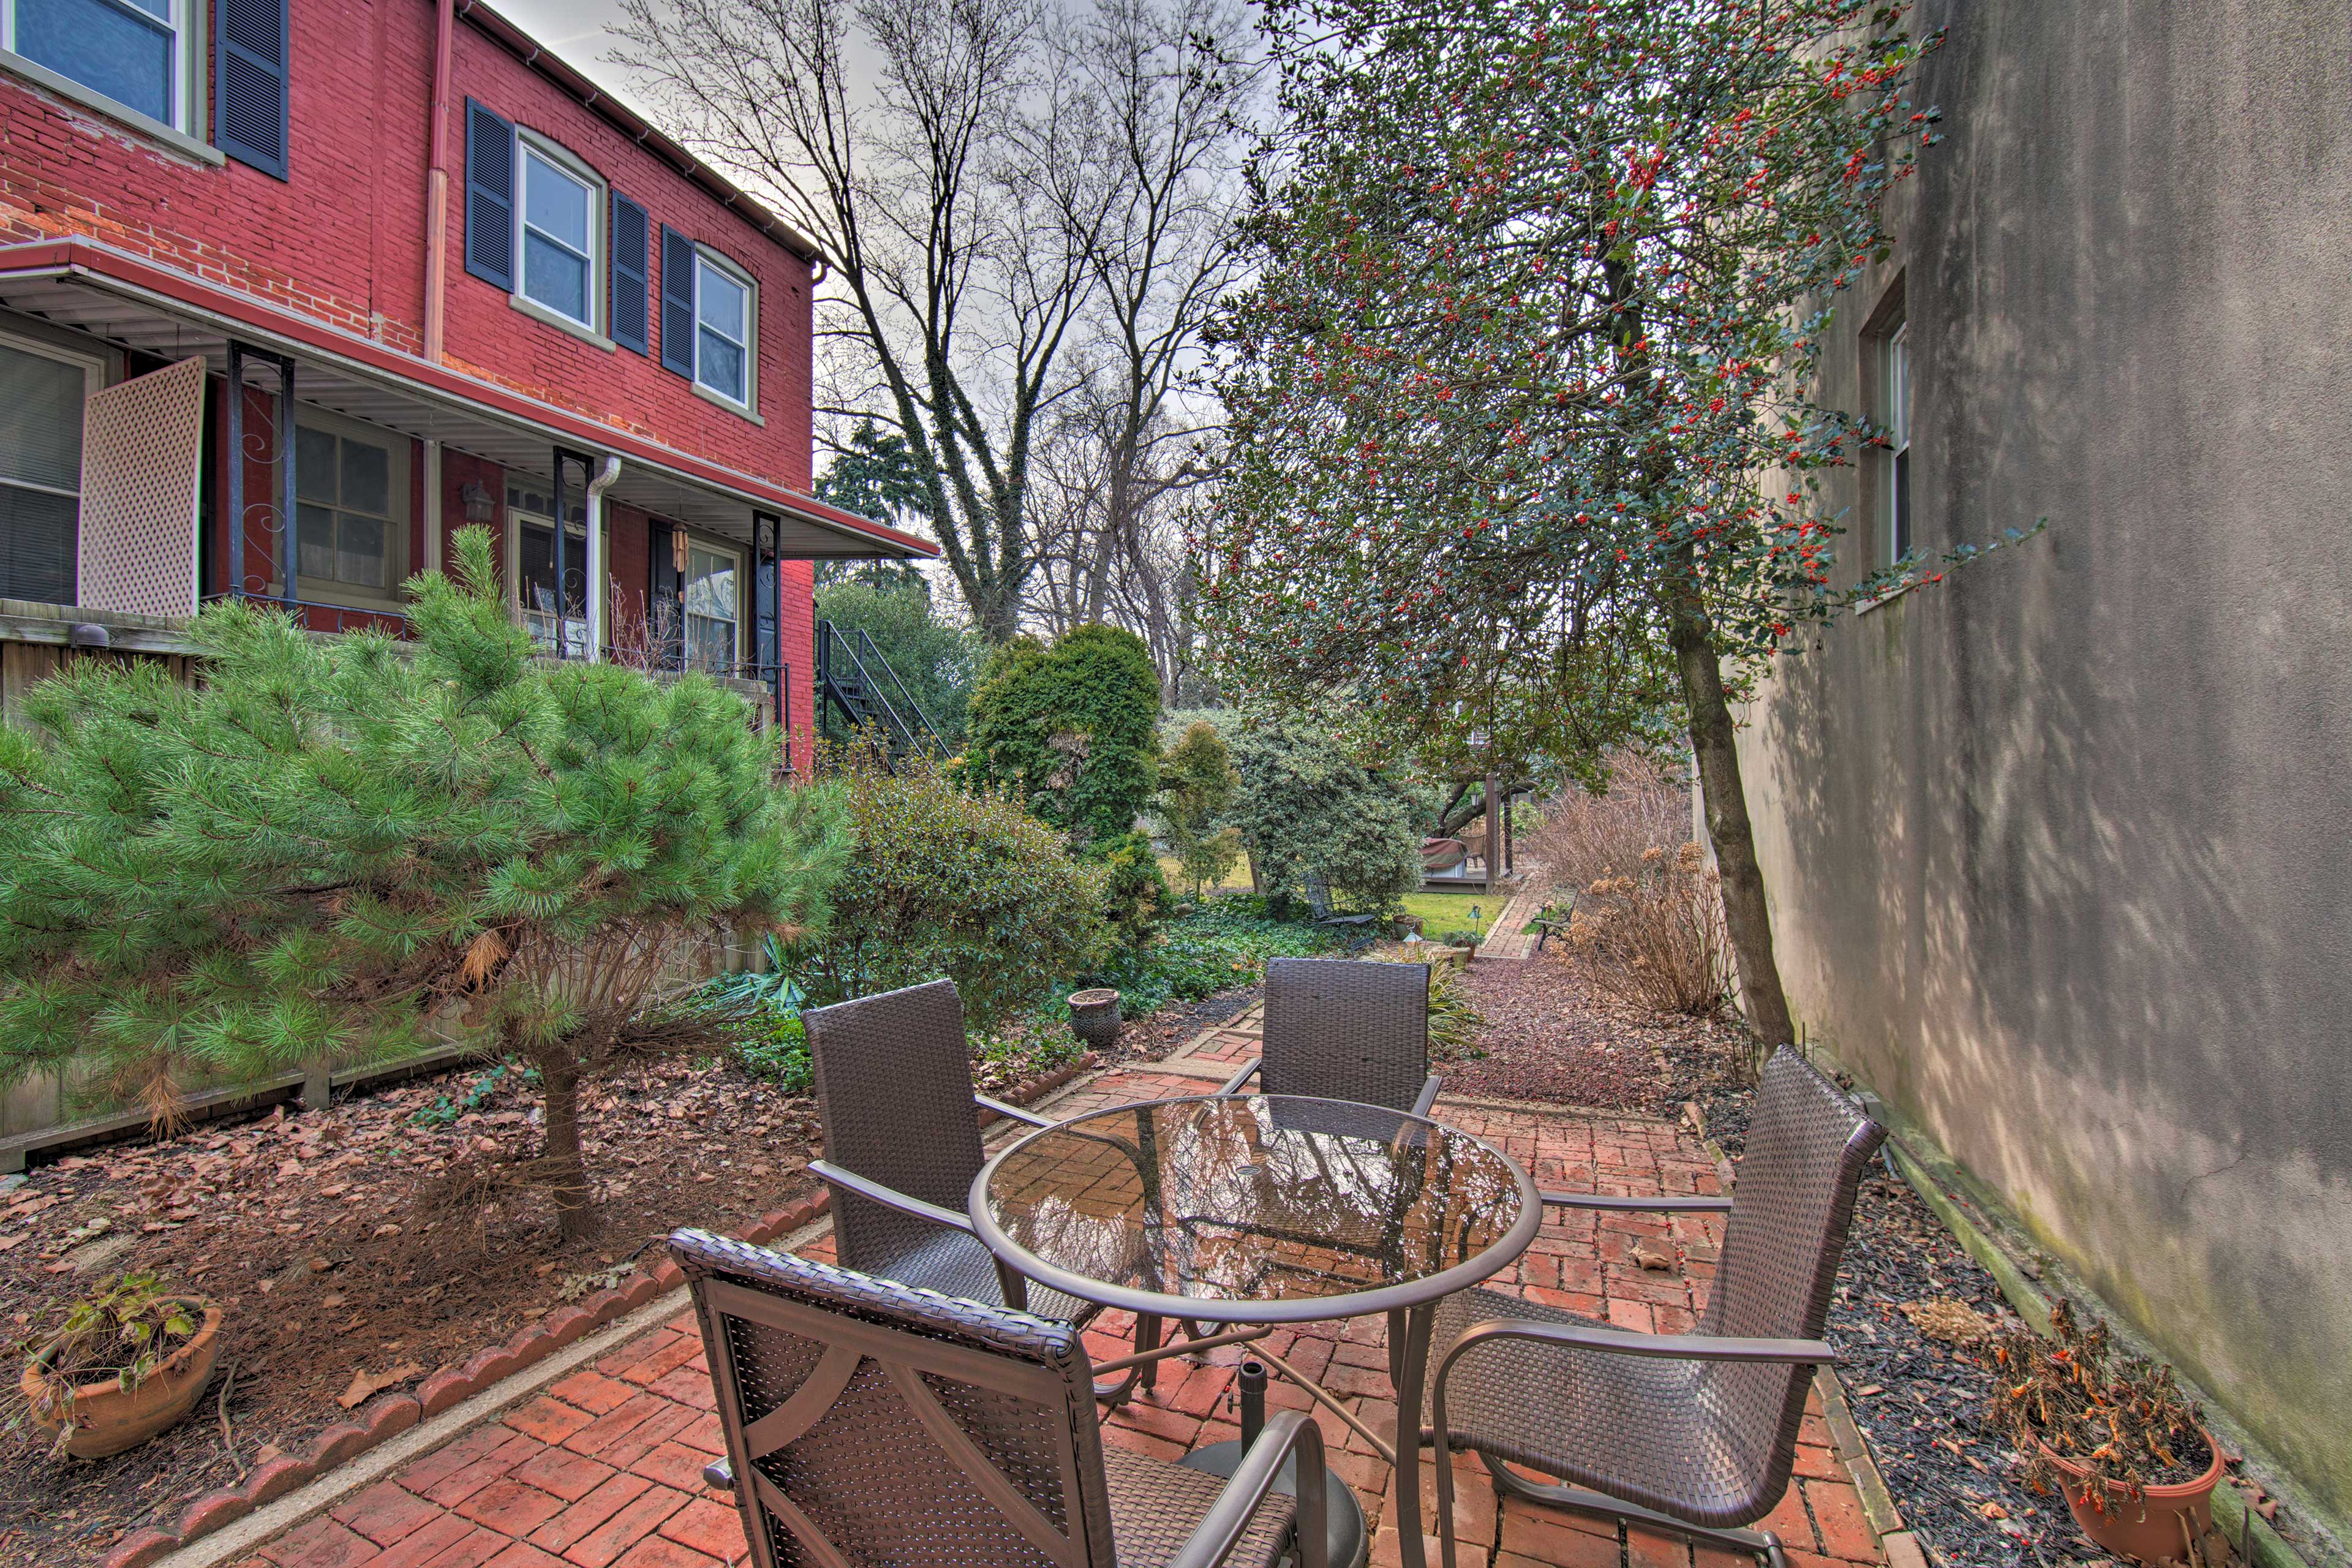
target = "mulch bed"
x: 1920, y: 1402
x: 1551, y: 1035
x: 344, y: 1242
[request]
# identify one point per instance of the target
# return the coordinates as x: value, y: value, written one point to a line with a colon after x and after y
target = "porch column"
x: 599, y: 596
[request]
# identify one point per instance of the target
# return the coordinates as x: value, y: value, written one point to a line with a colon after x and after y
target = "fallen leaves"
x: 1953, y: 1322
x: 366, y: 1385
x: 1653, y: 1255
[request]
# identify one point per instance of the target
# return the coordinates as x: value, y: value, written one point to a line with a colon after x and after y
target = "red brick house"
x: 475, y: 286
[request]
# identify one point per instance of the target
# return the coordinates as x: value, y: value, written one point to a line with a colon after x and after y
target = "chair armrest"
x: 1214, y: 1538
x: 1623, y: 1342
x: 1233, y: 1084
x: 889, y: 1197
x: 1637, y: 1205
x: 1012, y: 1111
x: 1428, y: 1097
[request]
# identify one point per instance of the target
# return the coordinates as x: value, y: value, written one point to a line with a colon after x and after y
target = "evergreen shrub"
x: 1070, y: 729
x: 947, y: 881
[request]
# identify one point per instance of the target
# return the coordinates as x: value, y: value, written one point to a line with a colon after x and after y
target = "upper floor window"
x: 561, y: 217
x: 1895, y: 526
x: 133, y: 52
x: 722, y: 313
x: 710, y: 322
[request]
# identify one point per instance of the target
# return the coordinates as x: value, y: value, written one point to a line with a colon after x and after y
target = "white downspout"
x: 599, y: 594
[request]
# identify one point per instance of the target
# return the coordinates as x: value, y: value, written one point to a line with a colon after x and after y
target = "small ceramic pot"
x: 2152, y: 1526
x: 107, y: 1419
x: 1094, y: 1018
x: 1407, y: 925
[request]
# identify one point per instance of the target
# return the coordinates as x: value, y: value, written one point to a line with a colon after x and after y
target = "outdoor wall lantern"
x: 480, y: 505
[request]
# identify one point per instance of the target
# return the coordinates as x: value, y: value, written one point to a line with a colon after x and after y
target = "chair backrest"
x: 1808, y: 1144
x: 866, y: 1422
x: 893, y: 1094
x: 1347, y: 1029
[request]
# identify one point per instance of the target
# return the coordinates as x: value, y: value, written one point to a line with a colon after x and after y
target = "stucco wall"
x: 2060, y: 850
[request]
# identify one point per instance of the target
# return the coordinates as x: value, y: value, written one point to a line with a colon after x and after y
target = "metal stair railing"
x: 860, y: 698
x: 932, y: 744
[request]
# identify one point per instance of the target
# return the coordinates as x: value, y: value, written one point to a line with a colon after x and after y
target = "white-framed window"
x: 1895, y: 524
x: 350, y: 510
x: 551, y: 608
x: 712, y: 605
x: 726, y: 316
x: 41, y: 394
x: 559, y: 232
x: 131, y: 52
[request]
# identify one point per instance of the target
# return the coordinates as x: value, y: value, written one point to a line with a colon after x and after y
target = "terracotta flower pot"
x: 107, y: 1420
x: 1094, y: 1016
x: 2150, y: 1528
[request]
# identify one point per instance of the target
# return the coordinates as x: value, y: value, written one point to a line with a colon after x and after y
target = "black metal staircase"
x: 859, y: 689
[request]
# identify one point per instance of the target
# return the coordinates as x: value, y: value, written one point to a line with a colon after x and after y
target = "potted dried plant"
x: 2112, y: 1432
x: 125, y: 1363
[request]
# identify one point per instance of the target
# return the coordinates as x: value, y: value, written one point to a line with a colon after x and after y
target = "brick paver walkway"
x: 602, y: 1469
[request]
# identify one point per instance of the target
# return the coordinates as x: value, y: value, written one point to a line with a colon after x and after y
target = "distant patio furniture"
x: 1695, y: 1433
x: 894, y: 1092
x: 1441, y: 855
x: 1552, y: 922
x: 1318, y: 904
x: 1340, y: 1028
x: 868, y: 1422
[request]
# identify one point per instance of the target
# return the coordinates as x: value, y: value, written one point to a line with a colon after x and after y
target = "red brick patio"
x: 602, y: 1469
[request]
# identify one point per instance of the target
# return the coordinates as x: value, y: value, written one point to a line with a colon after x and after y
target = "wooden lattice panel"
x: 142, y: 449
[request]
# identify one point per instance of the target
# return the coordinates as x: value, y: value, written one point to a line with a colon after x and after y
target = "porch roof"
x: 94, y: 288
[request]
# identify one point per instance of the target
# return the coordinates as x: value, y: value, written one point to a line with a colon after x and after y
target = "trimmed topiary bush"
x: 1307, y: 809
x: 1197, y: 783
x: 1134, y: 894
x: 1071, y: 730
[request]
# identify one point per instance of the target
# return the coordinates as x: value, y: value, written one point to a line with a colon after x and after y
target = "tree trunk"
x: 567, y: 1173
x: 1746, y: 918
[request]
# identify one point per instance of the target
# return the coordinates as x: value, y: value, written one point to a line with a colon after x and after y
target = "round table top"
x: 1255, y: 1208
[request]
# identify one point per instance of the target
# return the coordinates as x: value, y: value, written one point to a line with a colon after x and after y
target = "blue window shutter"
x: 631, y: 271
x: 489, y: 196
x: 249, y: 67
x: 678, y: 302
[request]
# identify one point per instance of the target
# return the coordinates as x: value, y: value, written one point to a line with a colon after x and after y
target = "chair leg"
x: 1754, y: 1542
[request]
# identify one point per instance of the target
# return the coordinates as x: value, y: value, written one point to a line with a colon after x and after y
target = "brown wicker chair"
x: 1690, y: 1433
x: 895, y: 1094
x: 876, y: 1424
x: 1340, y: 1029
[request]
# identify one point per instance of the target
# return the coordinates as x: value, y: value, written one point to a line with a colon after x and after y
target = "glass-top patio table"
x: 1258, y: 1210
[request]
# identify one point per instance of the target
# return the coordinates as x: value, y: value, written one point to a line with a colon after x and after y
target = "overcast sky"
x: 579, y: 30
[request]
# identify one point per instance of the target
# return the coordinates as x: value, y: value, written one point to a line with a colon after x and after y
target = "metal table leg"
x: 1413, y: 1327
x: 1347, y: 1539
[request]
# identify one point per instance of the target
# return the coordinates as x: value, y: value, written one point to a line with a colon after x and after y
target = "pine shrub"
x: 333, y: 843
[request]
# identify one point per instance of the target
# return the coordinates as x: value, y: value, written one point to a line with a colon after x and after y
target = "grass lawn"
x: 1237, y: 880
x: 1443, y: 913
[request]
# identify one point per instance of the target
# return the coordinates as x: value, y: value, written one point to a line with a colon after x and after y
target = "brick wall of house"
x: 343, y: 239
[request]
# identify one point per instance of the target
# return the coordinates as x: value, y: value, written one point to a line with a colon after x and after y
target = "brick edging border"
x: 387, y: 1415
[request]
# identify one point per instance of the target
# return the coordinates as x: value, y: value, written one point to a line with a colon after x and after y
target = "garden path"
x: 602, y: 1468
